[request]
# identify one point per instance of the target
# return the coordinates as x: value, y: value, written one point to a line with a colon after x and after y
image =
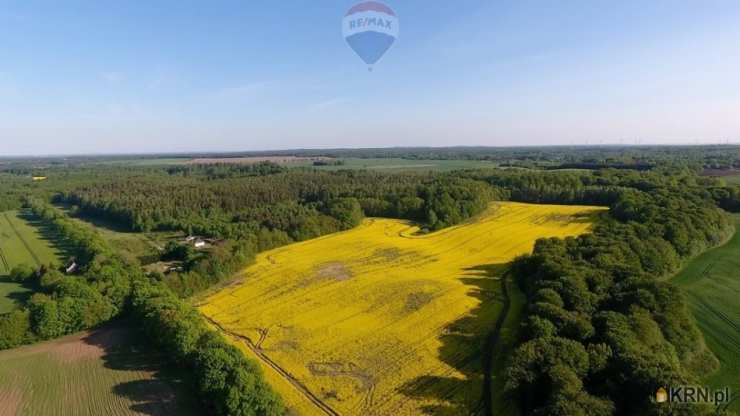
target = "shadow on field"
x: 18, y: 296
x: 161, y: 390
x: 95, y: 221
x: 49, y: 234
x: 467, y: 345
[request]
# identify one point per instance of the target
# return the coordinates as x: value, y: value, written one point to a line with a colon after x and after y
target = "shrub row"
x: 228, y: 383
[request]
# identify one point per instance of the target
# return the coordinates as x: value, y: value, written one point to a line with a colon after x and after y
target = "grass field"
x: 712, y: 283
x: 11, y: 294
x: 135, y: 246
x: 23, y: 241
x: 383, y: 320
x: 733, y: 180
x: 103, y: 372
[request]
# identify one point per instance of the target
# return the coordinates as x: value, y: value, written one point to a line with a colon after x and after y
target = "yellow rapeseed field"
x: 380, y: 319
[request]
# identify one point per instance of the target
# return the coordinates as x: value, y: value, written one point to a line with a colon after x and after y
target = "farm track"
x: 325, y: 408
x: 23, y: 241
x: 486, y: 406
x: 4, y: 261
x: 724, y: 318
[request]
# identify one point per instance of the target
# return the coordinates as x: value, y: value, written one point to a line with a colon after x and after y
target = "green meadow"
x: 712, y: 284
x: 23, y: 240
x: 733, y: 180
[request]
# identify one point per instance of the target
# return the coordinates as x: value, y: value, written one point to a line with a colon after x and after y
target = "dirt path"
x: 486, y: 406
x: 325, y: 408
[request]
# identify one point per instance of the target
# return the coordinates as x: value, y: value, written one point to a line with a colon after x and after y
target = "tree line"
x: 107, y: 287
x: 604, y: 329
x: 300, y: 203
x: 268, y: 208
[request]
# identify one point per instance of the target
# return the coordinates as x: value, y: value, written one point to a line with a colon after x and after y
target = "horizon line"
x: 282, y: 152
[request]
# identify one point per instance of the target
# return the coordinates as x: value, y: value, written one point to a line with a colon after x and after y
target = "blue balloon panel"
x: 370, y: 46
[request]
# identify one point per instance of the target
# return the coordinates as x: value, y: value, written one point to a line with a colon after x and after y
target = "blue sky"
x: 173, y: 76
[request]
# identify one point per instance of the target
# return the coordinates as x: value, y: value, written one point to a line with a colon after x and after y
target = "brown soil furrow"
x: 10, y: 401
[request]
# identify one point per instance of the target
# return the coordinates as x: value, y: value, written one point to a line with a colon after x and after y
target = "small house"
x: 199, y: 244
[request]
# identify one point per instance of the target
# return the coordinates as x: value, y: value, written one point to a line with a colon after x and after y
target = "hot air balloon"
x: 370, y: 28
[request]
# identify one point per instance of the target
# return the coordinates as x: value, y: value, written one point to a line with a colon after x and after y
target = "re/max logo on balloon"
x: 370, y: 28
x: 369, y: 22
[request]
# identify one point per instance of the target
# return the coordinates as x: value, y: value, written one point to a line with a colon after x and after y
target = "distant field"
x: 147, y: 161
x: 735, y: 180
x: 281, y: 160
x: 382, y: 320
x: 732, y: 177
x: 23, y: 241
x: 102, y: 372
x: 384, y: 164
x: 712, y: 283
x: 407, y: 164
